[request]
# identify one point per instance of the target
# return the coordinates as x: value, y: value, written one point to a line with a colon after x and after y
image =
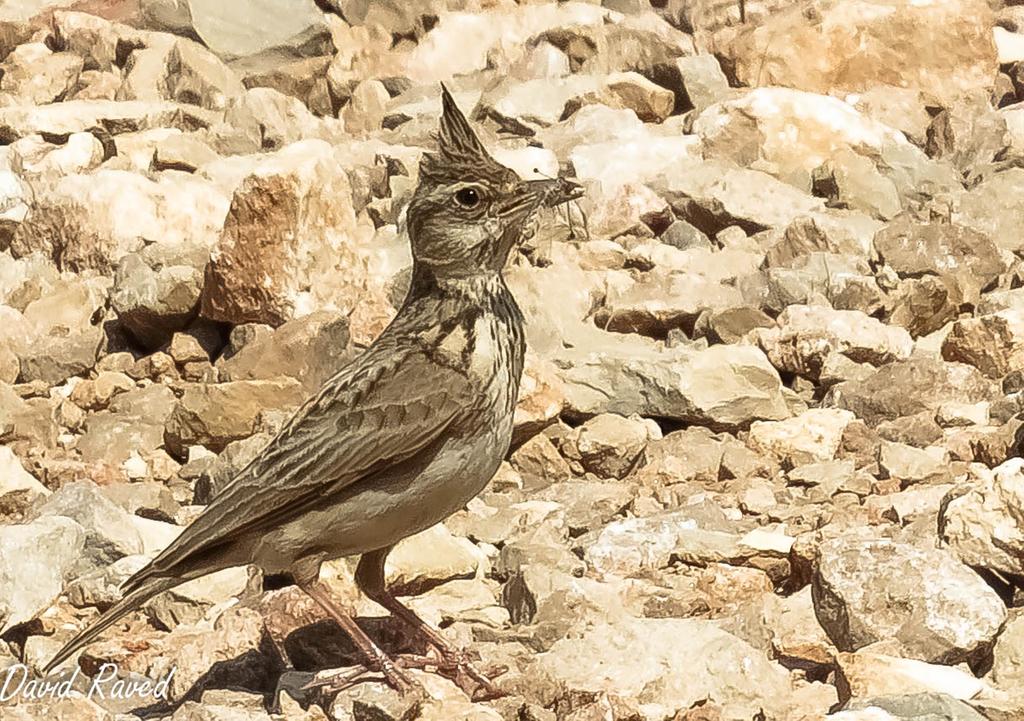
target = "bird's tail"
x: 126, y: 605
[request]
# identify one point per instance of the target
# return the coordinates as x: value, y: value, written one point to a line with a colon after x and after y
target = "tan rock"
x: 994, y: 344
x: 923, y: 600
x: 94, y: 394
x: 90, y: 221
x: 651, y: 103
x: 981, y: 522
x: 76, y: 116
x: 1008, y: 655
x: 213, y: 415
x: 10, y: 366
x: 182, y: 152
x: 70, y: 708
x: 942, y: 49
x: 971, y: 259
x: 541, y: 398
x: 478, y: 33
x: 792, y: 133
x: 37, y: 75
x: 540, y: 463
x: 18, y: 487
x: 366, y: 108
x: 992, y: 208
x: 723, y: 386
x: 807, y: 335
x: 32, y: 156
x: 910, y: 465
x: 660, y: 302
x: 310, y: 349
x: 295, y: 209
x: 631, y: 657
x: 797, y: 635
x: 185, y: 348
x: 38, y: 556
x: 904, y: 388
x: 430, y: 558
x: 813, y: 436
x: 866, y: 675
x: 610, y: 445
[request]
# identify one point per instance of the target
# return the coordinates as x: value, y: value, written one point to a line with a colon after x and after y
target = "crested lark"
x: 404, y: 435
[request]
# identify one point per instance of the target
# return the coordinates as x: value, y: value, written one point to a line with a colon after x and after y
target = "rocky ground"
x: 766, y: 461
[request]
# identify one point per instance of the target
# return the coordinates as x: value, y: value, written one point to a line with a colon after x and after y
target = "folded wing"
x: 386, y: 407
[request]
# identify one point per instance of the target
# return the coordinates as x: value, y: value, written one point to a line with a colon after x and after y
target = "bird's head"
x: 469, y: 210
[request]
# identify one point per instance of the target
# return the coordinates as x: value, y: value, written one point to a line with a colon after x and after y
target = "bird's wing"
x: 385, y: 407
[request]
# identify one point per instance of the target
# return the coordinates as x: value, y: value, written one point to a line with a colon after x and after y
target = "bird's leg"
x: 375, y: 657
x: 370, y: 580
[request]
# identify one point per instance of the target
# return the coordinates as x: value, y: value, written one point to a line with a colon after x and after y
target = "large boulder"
x: 981, y: 520
x: 926, y: 601
x: 634, y: 658
x: 906, y: 387
x: 36, y: 558
x: 722, y: 386
x: 848, y: 46
x: 91, y: 221
x: 292, y: 244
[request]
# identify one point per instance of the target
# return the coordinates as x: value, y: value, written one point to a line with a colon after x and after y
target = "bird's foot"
x: 337, y: 680
x: 457, y: 665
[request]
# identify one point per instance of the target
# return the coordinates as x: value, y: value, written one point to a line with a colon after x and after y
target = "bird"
x: 401, y: 437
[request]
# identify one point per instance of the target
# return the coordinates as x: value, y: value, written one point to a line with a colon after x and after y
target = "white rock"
x: 639, y: 658
x: 429, y: 558
x: 14, y: 478
x: 982, y: 521
x: 870, y: 674
x: 812, y: 436
x: 35, y: 560
x: 1009, y: 46
x: 808, y: 334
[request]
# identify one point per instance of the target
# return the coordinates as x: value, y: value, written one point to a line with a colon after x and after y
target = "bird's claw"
x: 457, y: 665
x: 337, y: 680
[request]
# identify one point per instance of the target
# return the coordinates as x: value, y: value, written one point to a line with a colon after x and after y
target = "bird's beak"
x: 555, y: 191
x: 534, y: 194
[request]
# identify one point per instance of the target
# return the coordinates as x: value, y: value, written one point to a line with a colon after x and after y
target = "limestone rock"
x: 714, y: 194
x: 991, y: 208
x: 794, y: 133
x: 903, y: 388
x: 108, y: 530
x: 813, y: 436
x: 994, y: 344
x: 37, y: 557
x: 36, y: 75
x: 213, y: 415
x: 807, y: 335
x: 232, y: 32
x: 865, y: 675
x: 912, y: 249
x: 277, y: 259
x: 939, y: 49
x: 936, y: 609
x: 722, y: 386
x: 631, y: 658
x: 610, y: 445
x: 310, y: 349
x: 76, y: 116
x: 981, y: 522
x: 91, y: 221
x: 429, y: 558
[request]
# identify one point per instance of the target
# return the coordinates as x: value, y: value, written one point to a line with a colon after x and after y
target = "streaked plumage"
x: 410, y: 430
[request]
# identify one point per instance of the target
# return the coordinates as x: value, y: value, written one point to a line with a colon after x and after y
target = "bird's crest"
x: 460, y: 152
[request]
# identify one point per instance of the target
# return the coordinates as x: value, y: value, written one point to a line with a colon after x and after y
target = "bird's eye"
x: 468, y: 197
